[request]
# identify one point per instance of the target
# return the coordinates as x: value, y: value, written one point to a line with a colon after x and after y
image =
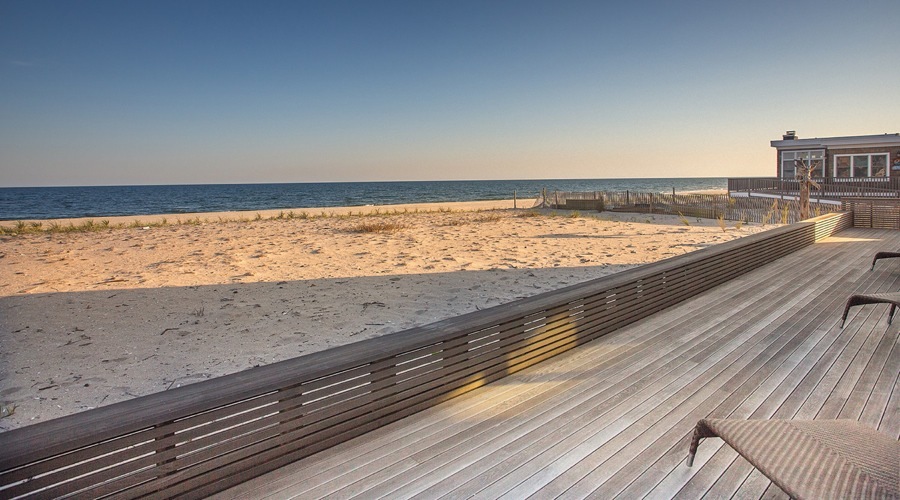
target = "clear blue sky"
x: 159, y: 92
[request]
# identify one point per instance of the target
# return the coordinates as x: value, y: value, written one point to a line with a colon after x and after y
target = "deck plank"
x: 537, y: 436
x: 613, y: 417
x: 746, y: 376
x: 890, y: 423
x: 739, y: 341
x: 866, y: 321
x: 673, y: 455
x: 752, y: 395
x: 876, y: 405
x: 755, y: 398
x: 735, y: 475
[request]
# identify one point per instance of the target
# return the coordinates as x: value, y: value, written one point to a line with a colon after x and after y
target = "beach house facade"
x: 862, y: 156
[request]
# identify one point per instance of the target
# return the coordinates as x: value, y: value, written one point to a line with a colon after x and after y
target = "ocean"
x: 22, y: 203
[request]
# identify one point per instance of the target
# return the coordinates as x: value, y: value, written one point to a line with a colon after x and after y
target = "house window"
x: 861, y: 166
x: 842, y: 166
x: 879, y: 166
x: 869, y: 165
x: 814, y: 158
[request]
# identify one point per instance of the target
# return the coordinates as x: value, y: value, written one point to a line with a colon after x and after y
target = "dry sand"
x: 91, y: 318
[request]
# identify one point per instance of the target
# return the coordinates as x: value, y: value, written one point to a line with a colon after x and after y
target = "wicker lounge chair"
x: 892, y: 298
x: 812, y: 458
x: 883, y: 255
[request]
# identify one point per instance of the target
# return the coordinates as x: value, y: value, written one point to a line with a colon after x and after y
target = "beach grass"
x: 382, y: 223
x: 785, y: 214
x: 770, y: 214
x: 454, y: 222
x: 378, y: 227
x: 720, y: 221
x: 493, y: 217
x: 90, y: 225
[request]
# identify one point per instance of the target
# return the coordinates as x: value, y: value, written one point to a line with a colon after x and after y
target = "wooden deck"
x: 614, y: 417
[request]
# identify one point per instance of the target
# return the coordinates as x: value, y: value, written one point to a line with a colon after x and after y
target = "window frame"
x: 809, y: 152
x: 852, y: 156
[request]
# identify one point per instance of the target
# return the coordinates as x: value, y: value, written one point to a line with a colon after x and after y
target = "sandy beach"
x: 92, y: 318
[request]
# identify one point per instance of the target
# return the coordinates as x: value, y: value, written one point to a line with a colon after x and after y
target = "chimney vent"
x: 790, y: 135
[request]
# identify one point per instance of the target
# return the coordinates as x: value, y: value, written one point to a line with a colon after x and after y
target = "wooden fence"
x: 708, y: 206
x: 833, y: 188
x: 873, y: 213
x: 205, y: 437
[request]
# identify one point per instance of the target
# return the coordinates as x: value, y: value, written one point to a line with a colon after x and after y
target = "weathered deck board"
x: 800, y: 364
x: 887, y: 417
x: 738, y: 469
x: 753, y: 396
x: 537, y: 433
x: 613, y: 417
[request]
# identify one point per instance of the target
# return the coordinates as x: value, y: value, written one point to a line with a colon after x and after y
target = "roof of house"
x: 836, y: 142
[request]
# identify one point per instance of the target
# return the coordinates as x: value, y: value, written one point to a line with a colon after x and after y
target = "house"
x: 872, y: 156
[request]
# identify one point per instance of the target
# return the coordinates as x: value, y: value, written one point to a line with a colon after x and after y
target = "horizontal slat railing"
x: 832, y: 187
x: 873, y: 212
x: 206, y: 437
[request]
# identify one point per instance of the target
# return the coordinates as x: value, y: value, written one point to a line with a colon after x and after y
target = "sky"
x: 159, y: 92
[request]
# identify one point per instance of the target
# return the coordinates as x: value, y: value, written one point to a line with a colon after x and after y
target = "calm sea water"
x: 105, y: 201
